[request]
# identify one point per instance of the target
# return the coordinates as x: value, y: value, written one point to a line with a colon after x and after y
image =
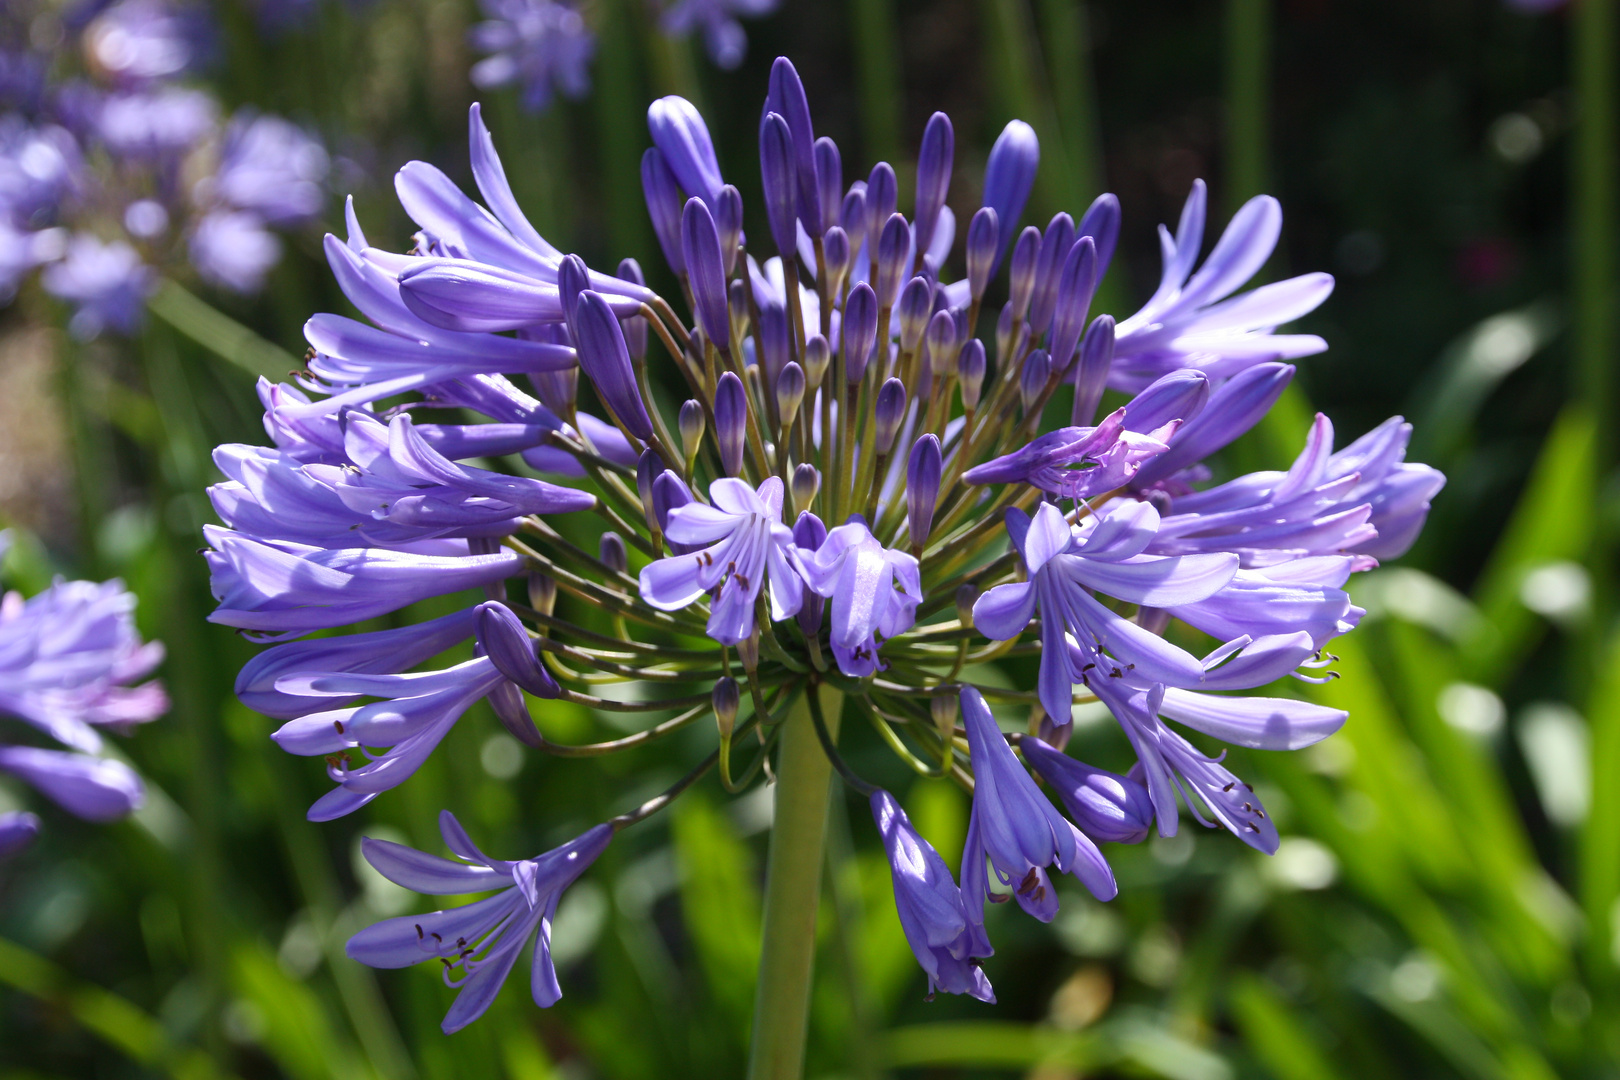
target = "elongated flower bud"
x: 737, y: 307
x: 853, y: 216
x: 894, y: 244
x: 889, y: 411
x: 860, y: 330
x: 966, y: 597
x: 808, y: 535
x: 700, y: 247
x: 941, y: 341
x: 1032, y: 380
x: 506, y: 642
x: 1055, y: 247
x: 916, y: 304
x: 829, y: 182
x: 573, y: 278
x: 970, y: 366
x: 728, y: 220
x: 1005, y: 327
x: 779, y: 172
x: 1091, y: 377
x: 1075, y: 290
x: 786, y: 96
x: 789, y: 392
x: 679, y: 133
x: 635, y: 327
x: 605, y: 359
x: 933, y: 175
x: 922, y: 487
x: 836, y: 251
x: 1021, y: 275
x: 663, y: 206
x: 726, y: 699
x: 542, y: 592
x: 983, y: 239
x: 730, y: 421
x: 1009, y: 175
x: 1101, y: 223
x: 691, y: 424
x: 648, y: 466
x: 806, y: 482
x: 945, y: 709
x: 668, y: 493
x: 881, y: 194
x: 611, y: 551
x: 817, y: 355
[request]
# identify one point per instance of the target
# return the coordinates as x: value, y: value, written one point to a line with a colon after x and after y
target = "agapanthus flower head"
x: 478, y: 943
x: 543, y: 46
x: 139, y: 42
x: 270, y: 167
x: 847, y: 372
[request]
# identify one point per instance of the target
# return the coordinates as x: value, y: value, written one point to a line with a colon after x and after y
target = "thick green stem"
x: 792, y: 891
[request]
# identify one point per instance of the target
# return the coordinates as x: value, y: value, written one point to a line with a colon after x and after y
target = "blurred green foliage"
x: 1445, y: 900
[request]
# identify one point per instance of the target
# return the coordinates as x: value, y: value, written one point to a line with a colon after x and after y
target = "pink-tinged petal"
x: 1261, y: 723
x: 1156, y: 581
x: 1002, y: 613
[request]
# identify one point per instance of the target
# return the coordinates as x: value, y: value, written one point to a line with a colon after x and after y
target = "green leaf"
x: 1276, y: 1033
x: 298, y: 1031
x: 219, y: 333
x: 720, y: 904
x: 1600, y: 839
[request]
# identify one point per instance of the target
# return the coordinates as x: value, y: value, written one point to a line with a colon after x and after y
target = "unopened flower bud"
x: 1075, y: 290
x: 922, y: 487
x: 1005, y: 325
x: 835, y: 249
x: 748, y: 652
x: 728, y: 218
x: 1032, y: 380
x: 1010, y: 173
x: 970, y: 370
x: 966, y: 597
x: 573, y: 278
x: 817, y: 356
x: 668, y: 492
x: 635, y: 327
x: 1091, y: 377
x: 829, y: 181
x: 612, y: 552
x: 806, y: 482
x: 983, y: 244
x: 1051, y: 733
x: 894, y: 244
x: 663, y: 206
x: 726, y: 699
x: 558, y: 390
x: 1055, y: 247
x: 882, y: 193
x: 933, y: 176
x: 916, y: 304
x: 779, y: 171
x: 889, y: 411
x: 648, y: 466
x: 706, y: 272
x: 789, y: 392
x: 945, y: 708
x: 605, y: 358
x: 730, y: 421
x: 542, y: 592
x: 853, y: 216
x: 1101, y: 223
x: 505, y: 640
x: 860, y: 330
x: 691, y: 424
x: 941, y: 341
x: 737, y: 304
x: 1021, y: 275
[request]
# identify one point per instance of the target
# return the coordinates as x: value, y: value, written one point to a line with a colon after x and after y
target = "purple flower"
x: 17, y: 830
x: 96, y: 789
x: 483, y: 939
x: 233, y: 250
x: 745, y: 539
x: 1105, y: 805
x: 107, y: 283
x: 136, y: 42
x: 929, y: 905
x: 874, y: 591
x: 682, y: 138
x: 541, y: 45
x: 282, y: 588
x: 723, y: 35
x: 39, y: 167
x: 155, y: 126
x: 1189, y: 322
x: 1077, y: 462
x: 269, y: 166
x: 1106, y: 555
x: 1017, y: 831
x: 21, y: 252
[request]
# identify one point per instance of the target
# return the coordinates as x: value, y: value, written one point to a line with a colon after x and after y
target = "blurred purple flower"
x: 107, y: 283
x: 270, y: 166
x: 542, y: 45
x: 17, y: 830
x: 137, y: 42
x: 233, y: 250
x: 723, y: 35
x: 155, y: 126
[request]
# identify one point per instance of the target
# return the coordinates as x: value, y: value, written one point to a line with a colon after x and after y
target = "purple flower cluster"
x: 114, y: 177
x: 71, y: 661
x: 852, y: 457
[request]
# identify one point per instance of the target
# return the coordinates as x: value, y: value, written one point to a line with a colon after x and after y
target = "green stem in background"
x: 792, y: 892
x: 877, y: 66
x: 219, y: 333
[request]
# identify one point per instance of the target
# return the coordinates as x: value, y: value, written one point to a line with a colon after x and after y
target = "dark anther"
x: 339, y: 725
x: 437, y: 938
x: 1031, y: 881
x: 419, y: 934
x: 1088, y: 667
x: 1230, y: 786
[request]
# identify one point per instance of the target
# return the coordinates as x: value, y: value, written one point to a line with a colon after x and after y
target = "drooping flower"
x: 929, y: 905
x: 482, y: 939
x: 745, y: 540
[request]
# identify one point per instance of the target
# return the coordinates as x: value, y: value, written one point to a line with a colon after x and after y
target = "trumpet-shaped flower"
x: 874, y: 591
